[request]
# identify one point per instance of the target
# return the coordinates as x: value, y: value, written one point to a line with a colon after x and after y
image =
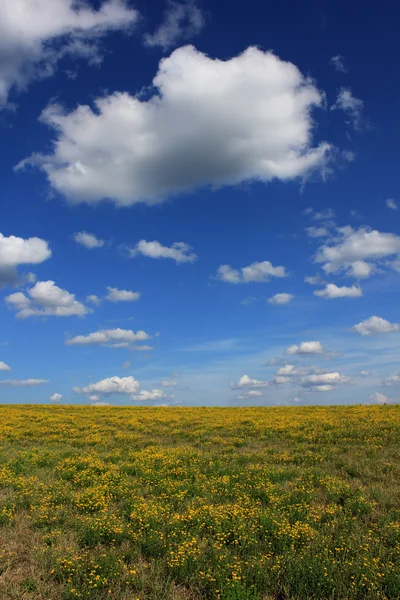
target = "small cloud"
x: 168, y: 383
x: 182, y: 20
x: 126, y: 364
x: 113, y: 338
x: 4, y: 366
x: 259, y: 272
x: 16, y: 251
x: 276, y: 361
x: 324, y: 382
x: 250, y: 394
x: 333, y: 291
x: 365, y: 373
x: 110, y: 385
x: 316, y: 232
x: 357, y: 253
x: 179, y: 251
x: 142, y: 348
x: 390, y: 203
x: 147, y: 396
x: 93, y: 299
x: 315, y: 280
x: 29, y: 278
x: 351, y: 106
x: 46, y: 299
x: 326, y: 214
x: 378, y: 398
x: 282, y: 298
x: 116, y: 295
x: 245, y: 382
x: 310, y: 379
x: 391, y: 380
x: 89, y: 240
x: 348, y: 155
x: 338, y: 63
x: 55, y: 398
x: 23, y: 382
x: 375, y: 325
x: 247, y: 301
x: 314, y: 347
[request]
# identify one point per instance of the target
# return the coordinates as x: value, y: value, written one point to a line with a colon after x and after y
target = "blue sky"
x: 199, y: 203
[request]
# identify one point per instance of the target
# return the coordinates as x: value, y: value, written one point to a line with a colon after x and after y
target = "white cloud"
x: 256, y: 272
x: 116, y: 295
x: 4, y: 366
x: 182, y: 20
x: 113, y: 338
x: 310, y: 378
x: 333, y: 291
x: 338, y: 63
x: 179, y: 251
x: 316, y: 232
x: 356, y: 252
x: 95, y: 398
x: 15, y: 251
x: 323, y: 215
x: 93, y: 299
x: 390, y: 203
x: 55, y: 397
x: 315, y: 280
x: 89, y: 240
x: 391, y: 380
x: 275, y: 361
x: 111, y: 385
x: 365, y: 373
x: 126, y: 364
x: 46, y: 299
x: 168, y: 383
x: 324, y: 382
x: 282, y: 298
x: 288, y: 370
x: 34, y: 36
x: 250, y: 394
x: 142, y: 348
x: 253, y: 123
x: 378, y: 398
x: 375, y: 325
x: 146, y: 396
x: 351, y: 106
x: 23, y: 382
x: 280, y: 379
x: 246, y: 382
x: 247, y: 301
x: 291, y: 373
x: 313, y: 347
x: 99, y: 403
x: 29, y: 278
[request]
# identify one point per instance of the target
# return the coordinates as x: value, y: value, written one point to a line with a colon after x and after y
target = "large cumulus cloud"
x: 208, y: 122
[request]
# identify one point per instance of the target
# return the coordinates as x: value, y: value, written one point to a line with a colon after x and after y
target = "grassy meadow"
x: 199, y: 503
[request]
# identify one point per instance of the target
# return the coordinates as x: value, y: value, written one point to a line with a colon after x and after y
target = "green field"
x: 198, y: 503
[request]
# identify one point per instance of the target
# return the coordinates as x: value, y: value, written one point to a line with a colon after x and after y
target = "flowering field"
x: 196, y: 503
